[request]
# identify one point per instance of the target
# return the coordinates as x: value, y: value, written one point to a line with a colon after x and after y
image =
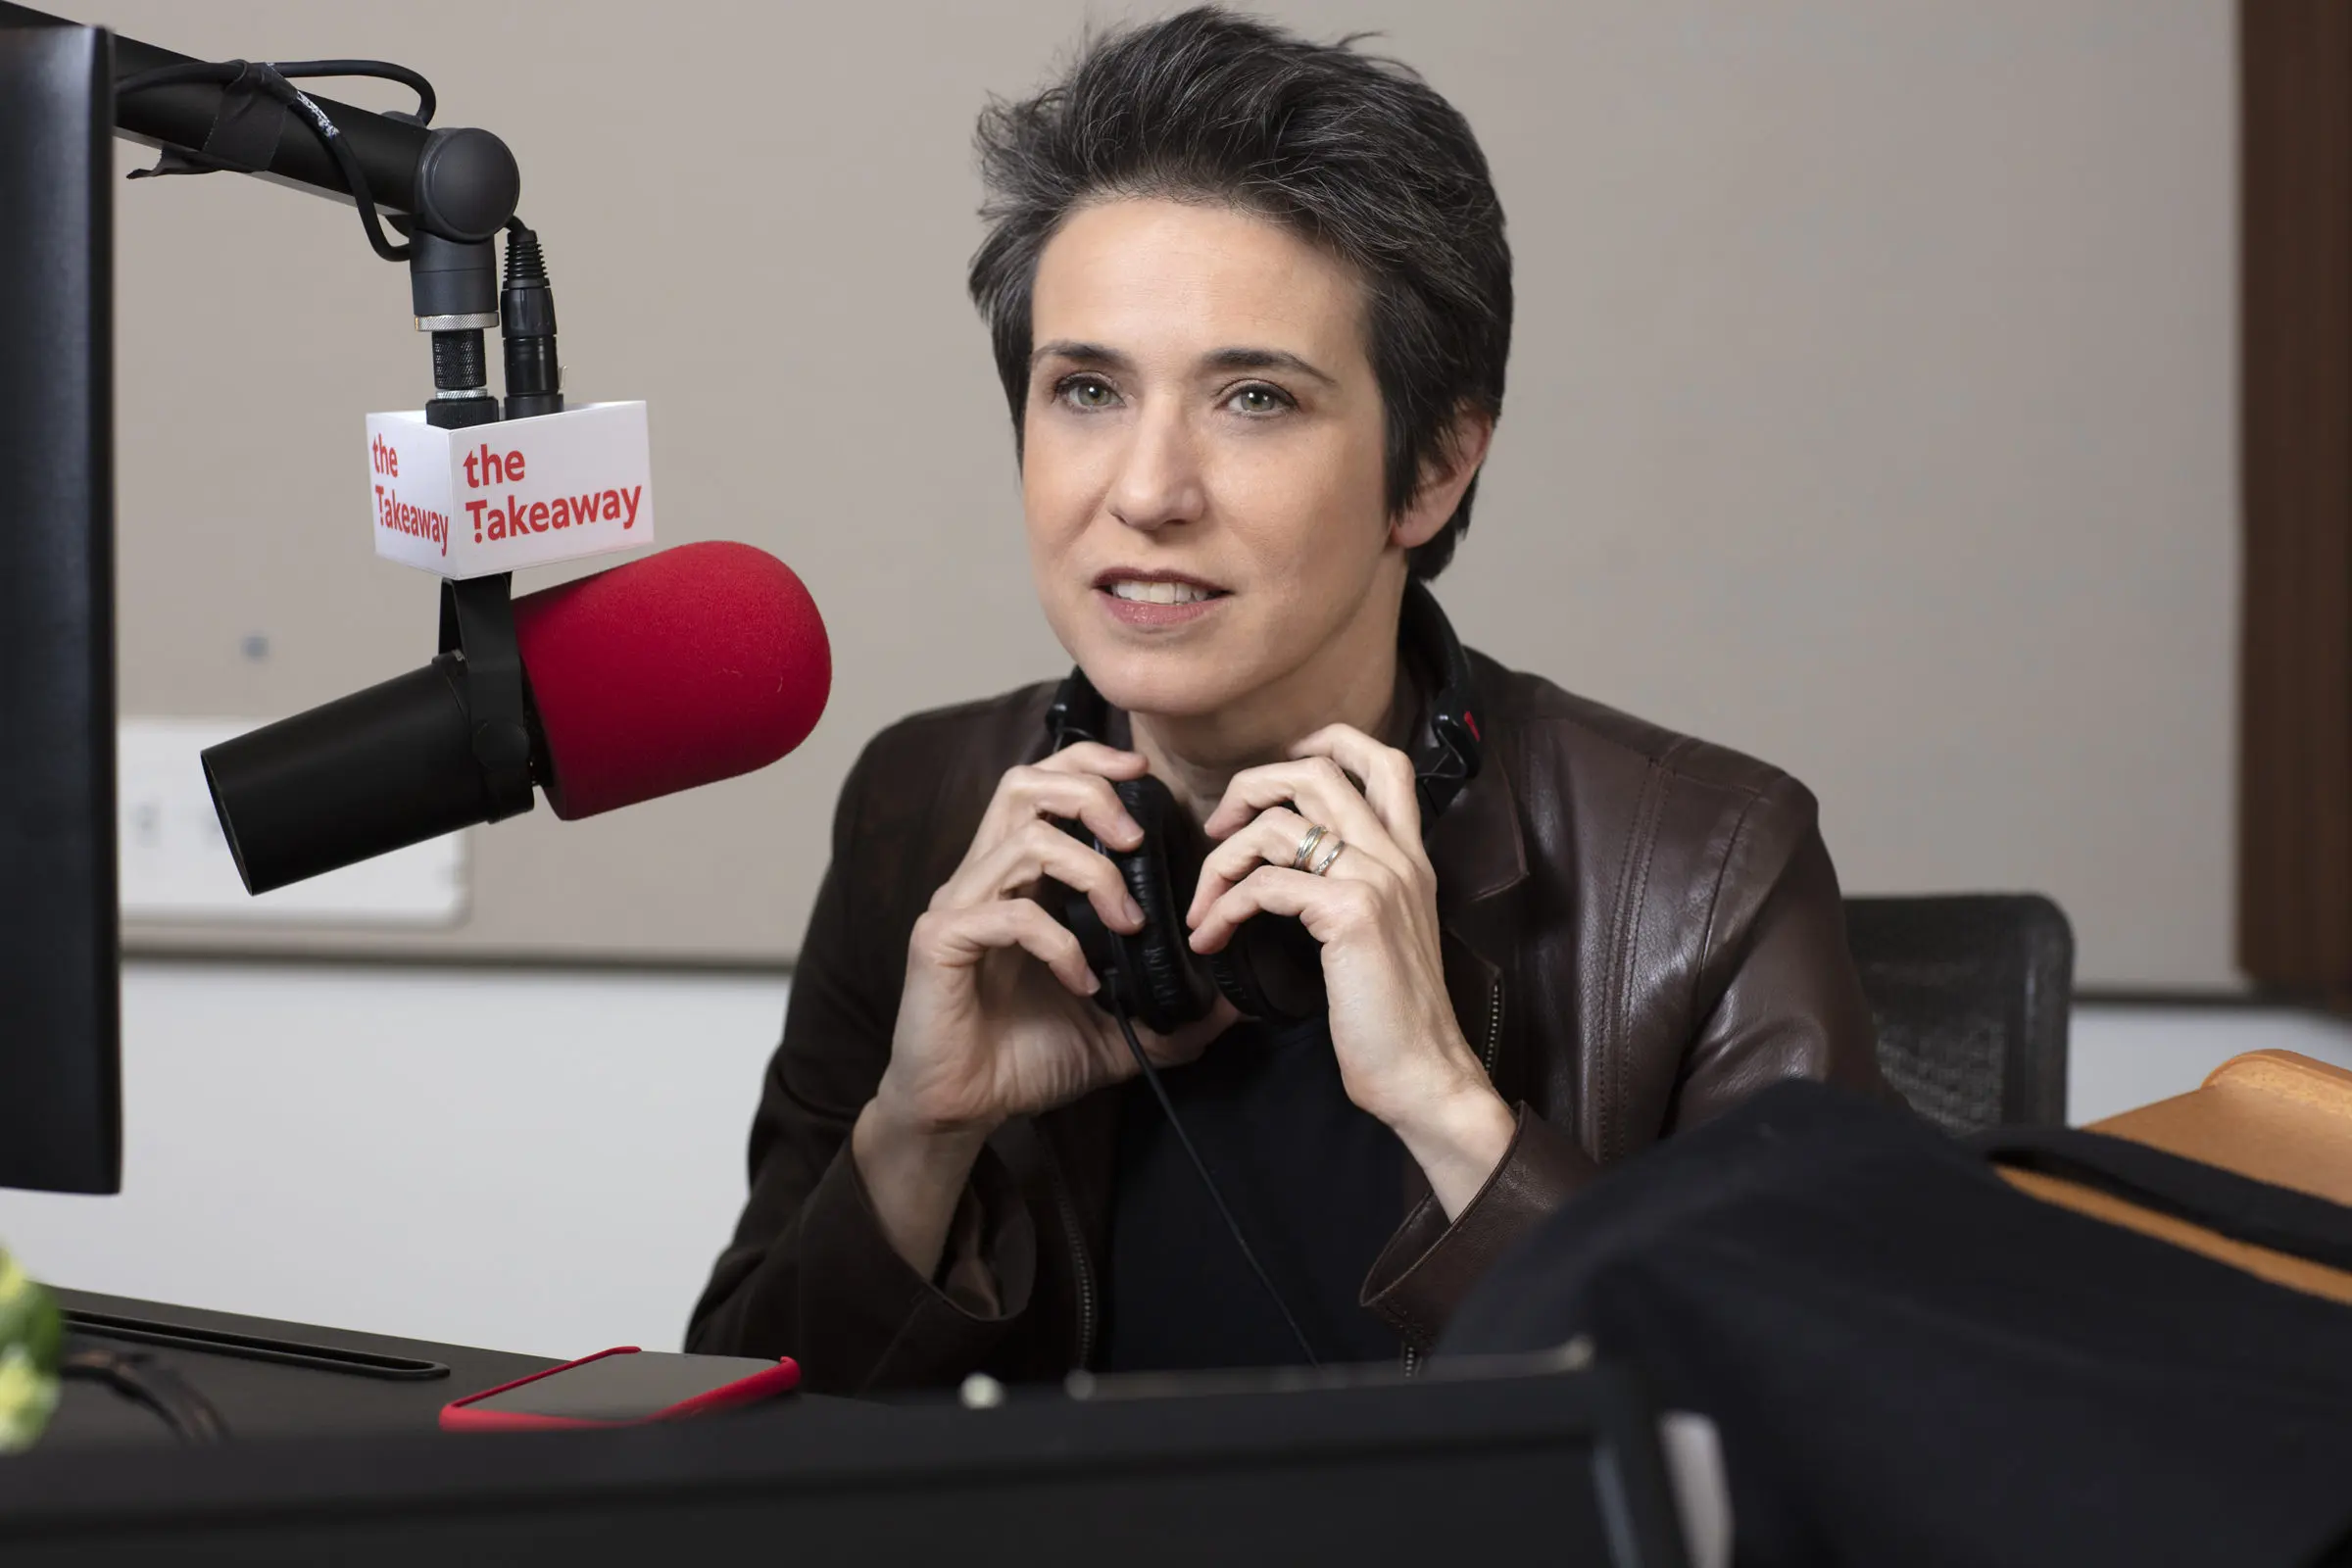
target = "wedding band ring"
x: 1316, y: 832
x: 1324, y: 864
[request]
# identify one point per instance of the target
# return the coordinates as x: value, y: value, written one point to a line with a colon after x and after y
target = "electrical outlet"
x: 175, y: 866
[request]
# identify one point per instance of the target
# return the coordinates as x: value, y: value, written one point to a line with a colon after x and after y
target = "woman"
x: 1251, y: 301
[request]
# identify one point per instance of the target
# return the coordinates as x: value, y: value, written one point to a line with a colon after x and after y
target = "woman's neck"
x: 1344, y: 684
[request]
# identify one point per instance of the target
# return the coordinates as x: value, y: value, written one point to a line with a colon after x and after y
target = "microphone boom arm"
x: 460, y: 185
x: 452, y: 192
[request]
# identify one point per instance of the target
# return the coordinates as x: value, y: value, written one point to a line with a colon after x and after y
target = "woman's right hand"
x: 996, y: 1020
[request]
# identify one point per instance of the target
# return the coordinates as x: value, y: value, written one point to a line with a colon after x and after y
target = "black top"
x: 1316, y: 1185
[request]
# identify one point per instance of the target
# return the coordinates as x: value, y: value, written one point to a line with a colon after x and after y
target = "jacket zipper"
x: 1084, y: 1265
x: 1486, y: 1059
x: 1494, y: 1029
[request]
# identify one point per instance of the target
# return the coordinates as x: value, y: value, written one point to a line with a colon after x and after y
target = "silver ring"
x: 1316, y: 832
x: 1324, y: 864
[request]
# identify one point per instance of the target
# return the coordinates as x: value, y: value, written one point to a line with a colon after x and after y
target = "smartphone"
x: 622, y: 1387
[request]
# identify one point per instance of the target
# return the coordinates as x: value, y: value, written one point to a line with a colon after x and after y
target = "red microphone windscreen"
x: 694, y: 664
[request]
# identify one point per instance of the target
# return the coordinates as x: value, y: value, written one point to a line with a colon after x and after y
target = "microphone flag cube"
x: 513, y: 493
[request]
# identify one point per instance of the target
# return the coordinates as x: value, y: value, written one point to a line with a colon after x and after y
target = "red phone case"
x: 458, y: 1415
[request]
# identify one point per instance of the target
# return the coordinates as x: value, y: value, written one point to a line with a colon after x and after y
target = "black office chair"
x: 1970, y: 994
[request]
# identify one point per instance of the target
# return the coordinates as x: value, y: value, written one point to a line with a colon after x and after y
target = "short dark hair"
x: 1353, y: 152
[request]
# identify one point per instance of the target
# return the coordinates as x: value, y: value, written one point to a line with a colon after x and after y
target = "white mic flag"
x: 513, y: 493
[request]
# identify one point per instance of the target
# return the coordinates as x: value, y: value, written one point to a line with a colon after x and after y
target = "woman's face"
x: 1203, y: 464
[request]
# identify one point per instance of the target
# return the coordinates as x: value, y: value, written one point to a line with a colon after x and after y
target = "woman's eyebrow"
x: 1232, y: 359
x: 1082, y: 353
x: 1250, y: 358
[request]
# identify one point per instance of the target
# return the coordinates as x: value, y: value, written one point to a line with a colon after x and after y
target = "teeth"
x: 1158, y: 593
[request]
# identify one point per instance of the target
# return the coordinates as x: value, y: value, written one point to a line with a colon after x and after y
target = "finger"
x: 1027, y: 793
x: 1093, y: 757
x: 1390, y: 787
x: 1328, y: 908
x: 960, y: 938
x: 1185, y: 1044
x: 1313, y: 787
x: 1273, y: 839
x: 1041, y: 850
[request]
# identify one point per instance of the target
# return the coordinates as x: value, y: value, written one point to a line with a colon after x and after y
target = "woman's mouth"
x: 1156, y: 601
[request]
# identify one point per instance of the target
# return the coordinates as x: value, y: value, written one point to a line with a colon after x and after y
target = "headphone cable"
x: 143, y: 1380
x: 1160, y: 1092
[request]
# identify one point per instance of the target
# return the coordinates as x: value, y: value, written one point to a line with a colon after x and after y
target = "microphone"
x: 692, y: 665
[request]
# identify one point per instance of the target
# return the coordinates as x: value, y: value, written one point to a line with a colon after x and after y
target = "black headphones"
x: 1272, y: 969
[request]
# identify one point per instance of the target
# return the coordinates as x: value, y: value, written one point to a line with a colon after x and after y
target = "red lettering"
x: 497, y: 468
x: 475, y: 507
x: 538, y: 517
x: 415, y: 522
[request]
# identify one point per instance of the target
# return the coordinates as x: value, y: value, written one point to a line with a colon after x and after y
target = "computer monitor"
x: 60, y: 982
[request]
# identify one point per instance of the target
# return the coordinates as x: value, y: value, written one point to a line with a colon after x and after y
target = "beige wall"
x: 1871, y: 406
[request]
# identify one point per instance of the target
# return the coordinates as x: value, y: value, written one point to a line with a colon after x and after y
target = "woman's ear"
x: 1444, y: 479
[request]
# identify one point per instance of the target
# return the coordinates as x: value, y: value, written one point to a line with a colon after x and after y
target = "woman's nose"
x: 1160, y: 479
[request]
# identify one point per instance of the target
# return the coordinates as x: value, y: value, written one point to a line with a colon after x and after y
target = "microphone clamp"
x: 477, y: 626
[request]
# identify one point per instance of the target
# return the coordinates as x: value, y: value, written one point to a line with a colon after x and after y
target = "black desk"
x: 333, y: 1468
x: 264, y: 1399
x: 261, y: 1398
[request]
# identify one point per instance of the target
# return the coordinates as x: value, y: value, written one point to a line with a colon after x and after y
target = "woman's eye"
x: 1088, y: 392
x: 1260, y: 399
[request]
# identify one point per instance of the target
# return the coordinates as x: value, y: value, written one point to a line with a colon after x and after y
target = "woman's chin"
x: 1165, y: 685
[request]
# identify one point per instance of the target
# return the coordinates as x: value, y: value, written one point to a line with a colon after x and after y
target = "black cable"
x: 292, y: 69
x: 380, y: 70
x: 141, y: 1379
x: 1160, y: 1092
x: 354, y: 178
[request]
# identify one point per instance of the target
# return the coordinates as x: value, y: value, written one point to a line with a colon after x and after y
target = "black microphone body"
x: 348, y: 780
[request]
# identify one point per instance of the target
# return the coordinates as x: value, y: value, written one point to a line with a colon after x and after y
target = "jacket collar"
x: 1478, y: 855
x: 1476, y: 848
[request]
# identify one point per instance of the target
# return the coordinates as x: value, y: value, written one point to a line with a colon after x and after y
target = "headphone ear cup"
x: 1272, y: 970
x: 1235, y: 978
x: 1166, y: 986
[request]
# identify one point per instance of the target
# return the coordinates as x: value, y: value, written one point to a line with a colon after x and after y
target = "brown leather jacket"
x: 1638, y: 929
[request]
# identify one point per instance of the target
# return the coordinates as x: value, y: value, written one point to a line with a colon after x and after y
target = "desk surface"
x: 261, y: 1398
x: 1385, y: 1471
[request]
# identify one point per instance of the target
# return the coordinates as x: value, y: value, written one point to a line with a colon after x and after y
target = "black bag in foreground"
x: 1911, y: 1363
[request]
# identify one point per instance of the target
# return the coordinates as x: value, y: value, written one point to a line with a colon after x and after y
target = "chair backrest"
x: 1970, y: 993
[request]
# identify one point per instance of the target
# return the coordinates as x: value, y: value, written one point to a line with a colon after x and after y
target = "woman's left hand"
x: 1402, y: 1053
